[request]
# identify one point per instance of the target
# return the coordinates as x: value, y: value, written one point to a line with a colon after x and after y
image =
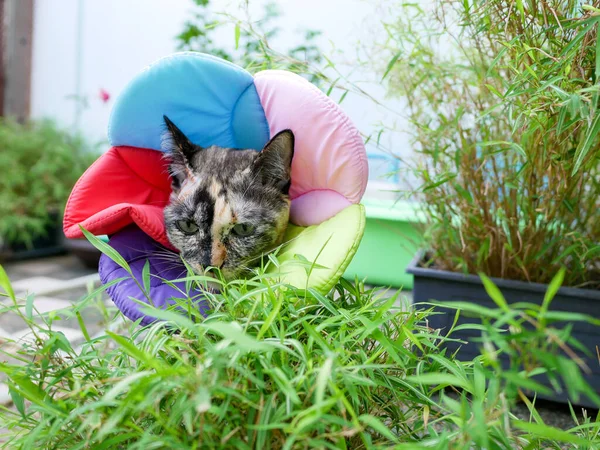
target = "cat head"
x: 227, y: 206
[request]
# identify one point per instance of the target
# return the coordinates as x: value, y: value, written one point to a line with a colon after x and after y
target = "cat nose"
x: 216, y: 263
x: 205, y: 260
x: 218, y: 254
x: 209, y: 261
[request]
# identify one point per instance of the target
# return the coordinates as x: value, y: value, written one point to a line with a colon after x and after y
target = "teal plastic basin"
x: 391, y: 240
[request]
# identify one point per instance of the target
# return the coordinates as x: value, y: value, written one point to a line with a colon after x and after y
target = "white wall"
x: 121, y: 37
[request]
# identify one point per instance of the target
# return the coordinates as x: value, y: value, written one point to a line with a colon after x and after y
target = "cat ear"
x: 275, y: 160
x: 180, y: 150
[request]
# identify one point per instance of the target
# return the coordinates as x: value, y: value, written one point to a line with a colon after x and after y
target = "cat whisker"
x: 158, y: 251
x: 263, y: 255
x: 172, y: 267
x: 157, y: 248
x: 166, y: 258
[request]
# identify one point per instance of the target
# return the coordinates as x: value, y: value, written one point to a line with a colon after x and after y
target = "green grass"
x: 275, y: 367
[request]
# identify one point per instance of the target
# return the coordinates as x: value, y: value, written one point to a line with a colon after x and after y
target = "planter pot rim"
x: 414, y: 269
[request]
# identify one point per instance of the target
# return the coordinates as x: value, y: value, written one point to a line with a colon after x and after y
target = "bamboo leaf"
x: 271, y: 317
x: 527, y: 383
x: 494, y: 293
x: 391, y: 65
x: 17, y: 400
x: 29, y: 306
x: 106, y: 249
x: 547, y: 432
x: 597, y: 72
x: 521, y: 9
x: 332, y: 86
x: 234, y: 332
x: 132, y: 350
x: 322, y: 379
x: 82, y: 326
x: 586, y: 145
x: 237, y: 35
x: 438, y: 379
x: 343, y: 97
x: 412, y: 337
x: 378, y: 426
x: 146, y: 277
x: 5, y: 284
x: 553, y: 288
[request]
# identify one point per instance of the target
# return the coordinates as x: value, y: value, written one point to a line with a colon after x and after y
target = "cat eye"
x: 243, y: 229
x: 187, y: 226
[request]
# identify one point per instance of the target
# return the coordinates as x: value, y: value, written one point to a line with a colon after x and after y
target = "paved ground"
x: 56, y: 283
x: 59, y: 282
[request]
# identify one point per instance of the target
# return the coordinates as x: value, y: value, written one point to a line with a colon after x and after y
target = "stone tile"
x: 36, y: 284
x: 72, y: 334
x: 46, y: 304
x: 59, y: 267
x: 75, y: 294
x: 33, y: 267
x: 67, y: 274
x: 4, y: 334
x: 93, y: 315
x: 16, y: 275
x: 70, y: 267
x: 4, y: 395
x: 11, y: 323
x: 5, y: 338
x: 23, y: 334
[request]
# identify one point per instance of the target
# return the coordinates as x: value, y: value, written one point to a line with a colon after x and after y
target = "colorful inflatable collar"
x: 214, y: 102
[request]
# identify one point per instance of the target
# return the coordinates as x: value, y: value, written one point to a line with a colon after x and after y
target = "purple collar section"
x: 136, y: 248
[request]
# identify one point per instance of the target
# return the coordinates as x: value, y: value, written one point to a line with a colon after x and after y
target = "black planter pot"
x: 442, y: 286
x: 50, y: 244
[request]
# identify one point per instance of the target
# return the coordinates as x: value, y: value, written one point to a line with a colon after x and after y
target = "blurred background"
x: 83, y: 53
x: 66, y: 62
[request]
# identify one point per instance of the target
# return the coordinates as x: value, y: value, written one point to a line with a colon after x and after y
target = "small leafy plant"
x: 276, y: 367
x: 40, y: 164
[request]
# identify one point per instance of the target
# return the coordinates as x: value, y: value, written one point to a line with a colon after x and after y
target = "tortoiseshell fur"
x: 214, y: 189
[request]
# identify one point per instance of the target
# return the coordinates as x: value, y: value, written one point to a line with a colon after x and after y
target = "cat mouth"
x: 229, y: 273
x: 197, y: 268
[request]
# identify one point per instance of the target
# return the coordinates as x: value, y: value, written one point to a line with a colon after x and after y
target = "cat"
x: 227, y: 206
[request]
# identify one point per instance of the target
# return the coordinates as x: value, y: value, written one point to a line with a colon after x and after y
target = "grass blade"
x: 107, y: 250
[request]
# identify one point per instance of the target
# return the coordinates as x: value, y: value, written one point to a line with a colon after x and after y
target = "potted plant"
x: 503, y: 102
x: 40, y: 164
